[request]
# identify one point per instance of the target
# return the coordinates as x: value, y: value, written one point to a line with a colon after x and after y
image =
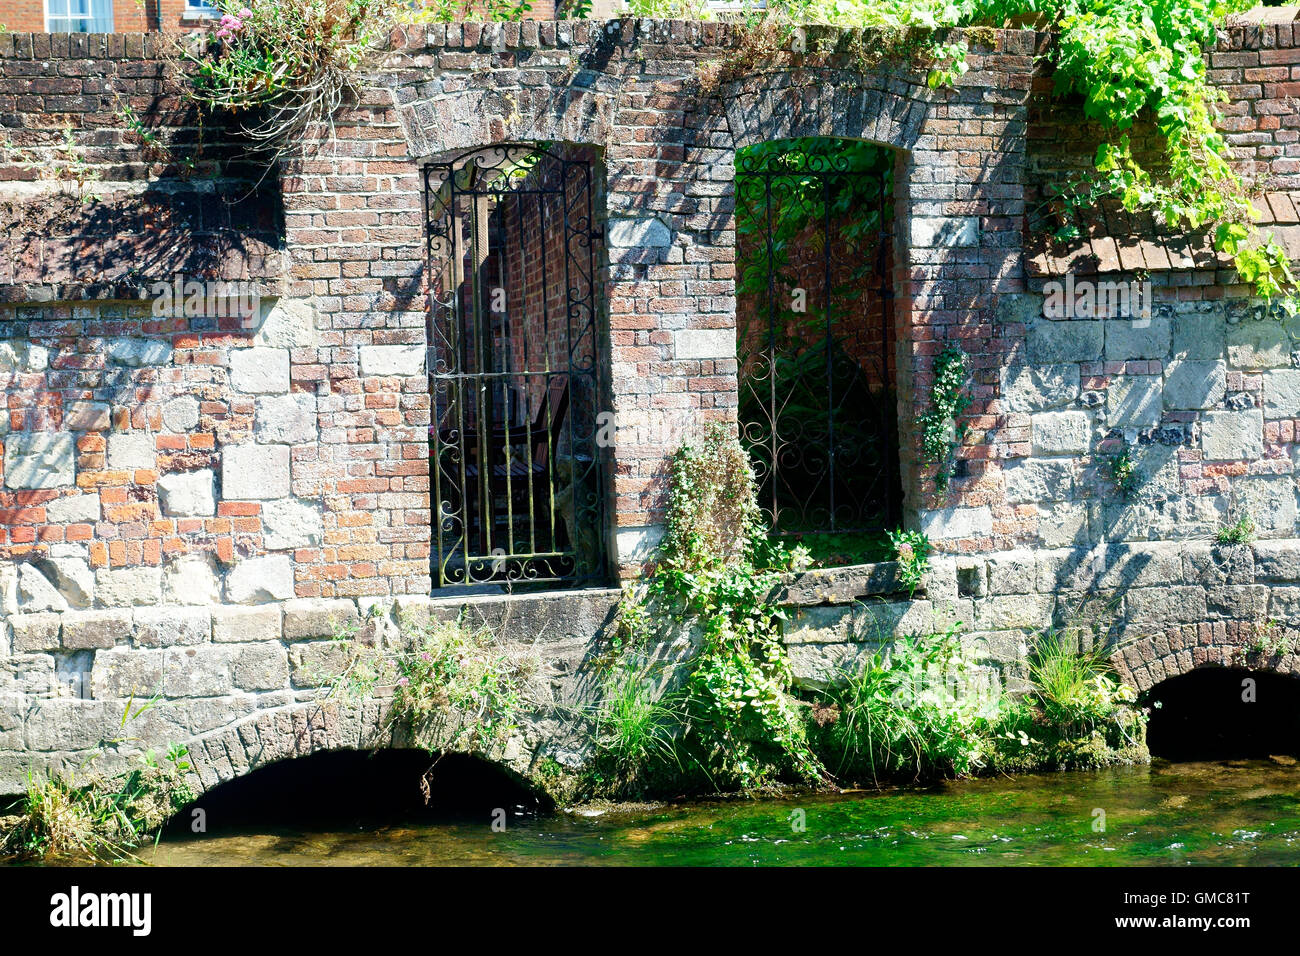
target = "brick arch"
x: 776, y: 106
x: 299, y: 730
x: 473, y: 118
x: 1178, y: 650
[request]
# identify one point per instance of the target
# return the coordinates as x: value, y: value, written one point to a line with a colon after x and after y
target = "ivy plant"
x: 941, y: 425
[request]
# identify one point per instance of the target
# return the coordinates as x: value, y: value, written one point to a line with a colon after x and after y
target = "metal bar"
x: 830, y: 371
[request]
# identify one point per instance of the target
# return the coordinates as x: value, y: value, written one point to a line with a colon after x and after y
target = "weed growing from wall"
x: 452, y: 686
x: 99, y: 816
x: 941, y: 427
x: 912, y: 552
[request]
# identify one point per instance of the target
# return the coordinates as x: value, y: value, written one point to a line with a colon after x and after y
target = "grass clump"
x: 909, y: 711
x: 104, y: 817
x: 1241, y: 531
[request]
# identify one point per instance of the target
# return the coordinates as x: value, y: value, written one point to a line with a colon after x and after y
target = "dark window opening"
x: 514, y: 375
x: 816, y: 340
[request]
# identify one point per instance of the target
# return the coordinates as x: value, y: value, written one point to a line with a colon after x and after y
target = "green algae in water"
x: 1234, y: 813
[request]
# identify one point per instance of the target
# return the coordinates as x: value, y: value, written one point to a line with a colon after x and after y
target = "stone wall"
x: 169, y: 483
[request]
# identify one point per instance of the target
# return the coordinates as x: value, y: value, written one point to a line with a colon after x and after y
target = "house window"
x: 200, y: 10
x: 79, y: 16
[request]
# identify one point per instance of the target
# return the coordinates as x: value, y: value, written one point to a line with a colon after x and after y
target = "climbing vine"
x: 1130, y: 60
x: 941, y: 425
x: 738, y: 724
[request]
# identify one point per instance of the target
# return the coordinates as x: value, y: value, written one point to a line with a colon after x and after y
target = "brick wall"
x: 353, y: 259
x: 28, y: 16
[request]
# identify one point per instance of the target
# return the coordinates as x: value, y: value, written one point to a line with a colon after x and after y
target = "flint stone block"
x: 285, y: 419
x: 1232, y: 436
x: 391, y: 360
x: 128, y: 587
x: 1194, y: 384
x: 84, y: 630
x: 1034, y: 388
x: 132, y: 451
x: 1057, y: 341
x: 246, y: 624
x: 1128, y: 339
x: 1133, y: 401
x: 167, y: 627
x: 260, y: 371
x: 40, y: 460
x: 1061, y: 433
x: 254, y: 472
x: 318, y: 617
x: 187, y: 493
x: 260, y: 580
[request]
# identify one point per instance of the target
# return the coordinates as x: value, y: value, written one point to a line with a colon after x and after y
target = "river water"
x: 1225, y: 813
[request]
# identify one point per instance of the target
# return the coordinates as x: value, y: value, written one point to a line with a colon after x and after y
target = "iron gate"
x: 815, y: 333
x: 513, y: 372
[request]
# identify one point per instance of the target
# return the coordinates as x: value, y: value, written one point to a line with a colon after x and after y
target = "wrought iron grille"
x: 513, y: 373
x: 815, y: 333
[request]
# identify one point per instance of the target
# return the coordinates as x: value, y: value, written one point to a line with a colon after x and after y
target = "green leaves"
x: 941, y: 430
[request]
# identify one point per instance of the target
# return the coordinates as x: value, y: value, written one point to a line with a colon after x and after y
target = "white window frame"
x: 200, y: 10
x: 68, y: 22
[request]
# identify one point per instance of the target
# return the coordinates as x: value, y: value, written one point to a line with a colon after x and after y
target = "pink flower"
x: 230, y: 25
x: 403, y: 681
x: 245, y: 14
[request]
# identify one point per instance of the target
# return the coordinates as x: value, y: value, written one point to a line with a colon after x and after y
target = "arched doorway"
x: 515, y: 375
x: 816, y: 339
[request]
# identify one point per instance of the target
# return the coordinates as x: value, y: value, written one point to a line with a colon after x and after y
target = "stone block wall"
x: 168, y: 484
x: 147, y: 458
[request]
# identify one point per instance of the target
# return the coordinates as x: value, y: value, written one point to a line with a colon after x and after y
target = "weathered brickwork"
x: 169, y: 484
